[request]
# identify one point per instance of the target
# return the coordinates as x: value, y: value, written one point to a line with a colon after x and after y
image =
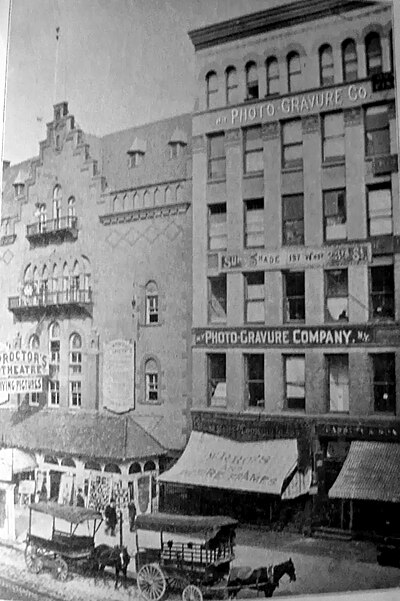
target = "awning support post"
x: 351, y: 516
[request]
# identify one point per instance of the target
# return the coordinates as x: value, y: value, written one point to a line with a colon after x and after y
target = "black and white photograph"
x: 199, y: 300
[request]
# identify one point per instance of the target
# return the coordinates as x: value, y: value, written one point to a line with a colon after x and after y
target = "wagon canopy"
x: 205, y: 526
x: 75, y: 515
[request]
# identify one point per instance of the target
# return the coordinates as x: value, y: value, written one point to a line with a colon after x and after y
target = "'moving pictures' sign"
x: 119, y: 376
x: 297, y: 257
x: 265, y: 337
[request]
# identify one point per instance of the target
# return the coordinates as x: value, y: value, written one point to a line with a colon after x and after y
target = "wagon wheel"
x: 192, y: 593
x: 61, y: 569
x: 151, y: 582
x: 178, y: 583
x: 33, y: 562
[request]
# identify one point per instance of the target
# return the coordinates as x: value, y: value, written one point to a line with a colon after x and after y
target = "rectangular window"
x: 338, y: 382
x: 151, y: 387
x: 217, y: 231
x: 75, y: 362
x: 377, y: 134
x: 254, y: 380
x: 216, y: 156
x: 335, y: 226
x: 384, y: 378
x: 380, y: 211
x: 151, y: 308
x: 75, y: 394
x: 336, y: 295
x: 295, y: 385
x: 217, y: 299
x: 293, y: 219
x: 216, y: 370
x: 54, y: 393
x: 54, y: 352
x: 254, y: 223
x: 382, y: 292
x: 333, y: 137
x: 294, y: 296
x: 292, y: 144
x: 253, y: 149
x: 254, y: 297
x: 32, y: 398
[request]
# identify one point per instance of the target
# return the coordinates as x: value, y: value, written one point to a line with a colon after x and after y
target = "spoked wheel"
x: 61, y: 569
x: 178, y: 583
x: 33, y: 562
x: 192, y: 593
x: 151, y: 582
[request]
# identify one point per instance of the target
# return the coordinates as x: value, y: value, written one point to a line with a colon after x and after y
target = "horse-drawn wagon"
x: 63, y: 549
x: 193, y: 555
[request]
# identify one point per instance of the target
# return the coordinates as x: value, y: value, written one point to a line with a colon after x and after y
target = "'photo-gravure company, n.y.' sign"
x: 22, y: 371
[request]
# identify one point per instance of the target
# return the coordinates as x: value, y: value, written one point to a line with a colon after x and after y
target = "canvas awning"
x: 370, y: 473
x: 213, y: 461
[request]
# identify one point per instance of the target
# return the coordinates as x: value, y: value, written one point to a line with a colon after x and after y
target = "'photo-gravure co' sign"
x: 119, y: 376
x: 281, y: 337
x: 297, y: 257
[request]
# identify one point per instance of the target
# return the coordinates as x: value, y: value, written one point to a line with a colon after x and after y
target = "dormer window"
x: 136, y: 159
x: 19, y: 185
x: 136, y: 152
x: 177, y: 143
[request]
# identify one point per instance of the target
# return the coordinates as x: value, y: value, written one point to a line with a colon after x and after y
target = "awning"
x: 370, y: 472
x: 217, y: 462
x: 299, y: 485
x: 17, y: 461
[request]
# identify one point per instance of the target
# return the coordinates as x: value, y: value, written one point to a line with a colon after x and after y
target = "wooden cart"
x: 64, y: 549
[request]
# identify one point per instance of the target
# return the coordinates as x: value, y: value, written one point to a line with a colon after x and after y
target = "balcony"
x: 52, y: 229
x: 67, y: 302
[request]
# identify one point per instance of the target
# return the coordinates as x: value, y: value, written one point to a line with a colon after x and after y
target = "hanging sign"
x: 119, y: 376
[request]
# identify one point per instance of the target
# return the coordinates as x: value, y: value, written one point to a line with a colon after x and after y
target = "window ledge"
x: 216, y: 180
x: 339, y: 162
x: 295, y: 322
x: 253, y: 174
x: 150, y: 403
x: 298, y: 169
x: 151, y: 325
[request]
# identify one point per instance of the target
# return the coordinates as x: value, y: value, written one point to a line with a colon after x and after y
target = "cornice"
x: 146, y: 213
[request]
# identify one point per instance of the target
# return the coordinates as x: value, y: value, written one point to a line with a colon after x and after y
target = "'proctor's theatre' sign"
x: 301, y: 257
x: 278, y: 337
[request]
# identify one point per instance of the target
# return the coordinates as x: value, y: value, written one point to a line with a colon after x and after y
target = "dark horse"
x: 265, y: 579
x: 115, y: 557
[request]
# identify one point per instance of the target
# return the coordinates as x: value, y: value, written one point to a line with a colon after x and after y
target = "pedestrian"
x: 80, y: 501
x: 110, y: 514
x: 132, y: 515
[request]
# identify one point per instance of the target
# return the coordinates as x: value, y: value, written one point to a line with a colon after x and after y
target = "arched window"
x: 272, y: 70
x: 44, y: 285
x: 373, y: 51
x: 75, y: 354
x: 349, y: 60
x: 326, y: 69
x: 36, y: 285
x: 54, y: 365
x: 71, y: 211
x: 212, y: 89
x: 232, y: 87
x: 294, y: 72
x: 157, y: 196
x: 147, y: 199
x: 149, y: 466
x: 57, y: 204
x: 65, y: 283
x: 50, y: 459
x: 93, y: 466
x: 151, y: 381
x: 34, y: 342
x: 115, y: 204
x: 168, y: 195
x: 42, y: 218
x: 135, y: 468
x: 251, y: 81
x: 68, y: 462
x: 151, y: 303
x: 179, y: 194
x: 74, y: 283
x: 54, y: 283
x: 135, y: 201
x: 112, y: 468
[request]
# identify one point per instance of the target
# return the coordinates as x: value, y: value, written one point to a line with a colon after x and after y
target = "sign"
x: 382, y: 81
x: 265, y: 337
x: 297, y: 257
x: 23, y: 363
x: 360, y: 431
x: 119, y: 376
x: 21, y: 385
x: 385, y: 164
x: 5, y: 469
x: 296, y: 105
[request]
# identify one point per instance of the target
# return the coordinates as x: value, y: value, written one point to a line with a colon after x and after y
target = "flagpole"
x: 56, y: 64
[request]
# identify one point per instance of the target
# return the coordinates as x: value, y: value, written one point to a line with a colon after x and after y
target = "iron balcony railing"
x: 77, y: 297
x: 52, y: 226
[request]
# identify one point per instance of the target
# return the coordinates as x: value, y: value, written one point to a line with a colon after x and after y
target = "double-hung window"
x: 294, y: 72
x: 295, y: 384
x: 373, y: 51
x: 232, y: 86
x: 382, y: 292
x: 151, y: 381
x: 216, y: 370
x: 335, y: 227
x: 254, y: 297
x: 212, y: 90
x: 253, y: 149
x: 293, y: 219
x: 338, y: 382
x: 384, y: 382
x: 326, y: 67
x: 377, y: 132
x: 294, y: 296
x: 272, y: 68
x: 217, y: 231
x: 254, y: 380
x: 254, y: 223
x: 292, y: 144
x: 333, y: 148
x: 336, y: 295
x: 217, y: 299
x: 380, y: 210
x: 216, y: 156
x: 251, y: 81
x: 349, y: 60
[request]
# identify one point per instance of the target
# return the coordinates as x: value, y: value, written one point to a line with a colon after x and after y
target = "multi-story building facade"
x: 95, y: 277
x: 296, y: 265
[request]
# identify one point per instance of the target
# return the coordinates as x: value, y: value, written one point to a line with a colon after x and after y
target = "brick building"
x: 296, y: 265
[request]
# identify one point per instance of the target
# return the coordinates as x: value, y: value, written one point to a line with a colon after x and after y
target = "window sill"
x: 337, y: 162
x: 151, y: 325
x: 294, y: 321
x: 216, y: 180
x: 253, y: 174
x: 294, y: 169
x: 335, y: 241
x: 150, y: 403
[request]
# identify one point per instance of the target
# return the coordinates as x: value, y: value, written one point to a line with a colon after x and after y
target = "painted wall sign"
x: 265, y: 337
x: 297, y: 257
x: 119, y: 376
x: 21, y: 385
x: 296, y: 105
x: 23, y: 363
x: 360, y: 431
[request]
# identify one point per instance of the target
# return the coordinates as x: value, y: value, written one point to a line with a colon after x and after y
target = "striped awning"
x: 371, y: 472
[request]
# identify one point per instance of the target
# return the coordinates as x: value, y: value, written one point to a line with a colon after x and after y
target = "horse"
x: 115, y: 557
x: 265, y: 579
